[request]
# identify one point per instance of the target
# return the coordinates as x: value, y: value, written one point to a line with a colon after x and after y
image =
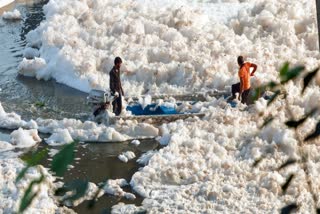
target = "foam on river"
x: 170, y: 46
x: 182, y: 46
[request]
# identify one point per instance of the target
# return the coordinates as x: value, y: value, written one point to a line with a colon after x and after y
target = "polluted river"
x: 183, y: 143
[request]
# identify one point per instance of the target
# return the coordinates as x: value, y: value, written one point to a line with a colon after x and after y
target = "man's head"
x: 117, y: 62
x: 240, y: 60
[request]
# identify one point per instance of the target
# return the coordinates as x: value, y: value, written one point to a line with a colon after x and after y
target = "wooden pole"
x: 318, y: 19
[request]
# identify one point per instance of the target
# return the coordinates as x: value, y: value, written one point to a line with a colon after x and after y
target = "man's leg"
x: 119, y: 105
x: 114, y: 106
x: 235, y: 89
x: 245, y: 96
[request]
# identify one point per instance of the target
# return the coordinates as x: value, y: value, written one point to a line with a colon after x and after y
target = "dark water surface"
x: 95, y: 162
x: 99, y: 162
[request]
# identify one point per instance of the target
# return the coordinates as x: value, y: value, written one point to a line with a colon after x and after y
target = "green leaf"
x: 29, y: 195
x: 307, y: 79
x: 284, y: 70
x: 76, y: 189
x: 39, y: 104
x: 315, y: 134
x: 287, y: 163
x: 63, y: 159
x: 289, y: 208
x: 271, y: 85
x: 295, y: 124
x: 273, y: 98
x: 31, y: 161
x: 267, y: 121
x: 287, y: 183
x: 257, y: 93
x: 287, y: 75
x: 142, y: 212
x: 36, y: 158
x: 22, y: 173
x: 256, y: 162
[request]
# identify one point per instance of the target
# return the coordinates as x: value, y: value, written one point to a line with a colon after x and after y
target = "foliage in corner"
x: 59, y: 166
x: 286, y: 75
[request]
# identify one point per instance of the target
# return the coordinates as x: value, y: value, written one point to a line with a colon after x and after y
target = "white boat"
x: 5, y: 2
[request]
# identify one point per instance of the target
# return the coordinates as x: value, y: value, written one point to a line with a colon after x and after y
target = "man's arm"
x: 112, y: 82
x: 120, y: 84
x: 254, y: 66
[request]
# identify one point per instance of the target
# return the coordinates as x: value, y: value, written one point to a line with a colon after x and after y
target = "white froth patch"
x: 126, y: 156
x: 136, y: 142
x: 126, y: 208
x: 14, y: 121
x: 89, y: 195
x: 30, y: 67
x: 5, y: 146
x: 145, y: 158
x: 12, y: 15
x: 113, y: 187
x: 11, y: 192
x: 60, y: 137
x: 84, y: 131
x: 172, y: 46
x: 31, y: 53
x: 207, y: 164
x: 92, y: 132
x: 24, y: 138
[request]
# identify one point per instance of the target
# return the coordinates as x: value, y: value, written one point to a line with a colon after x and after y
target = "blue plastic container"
x: 151, y: 109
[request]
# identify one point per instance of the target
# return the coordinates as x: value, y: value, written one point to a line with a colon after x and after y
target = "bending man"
x: 243, y: 88
x: 116, y: 86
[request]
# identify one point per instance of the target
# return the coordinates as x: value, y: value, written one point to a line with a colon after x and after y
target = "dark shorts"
x: 117, y: 105
x: 245, y: 94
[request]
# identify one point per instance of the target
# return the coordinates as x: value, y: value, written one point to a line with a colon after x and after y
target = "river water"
x: 96, y: 162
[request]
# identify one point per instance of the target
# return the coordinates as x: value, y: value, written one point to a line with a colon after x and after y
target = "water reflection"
x: 33, y: 17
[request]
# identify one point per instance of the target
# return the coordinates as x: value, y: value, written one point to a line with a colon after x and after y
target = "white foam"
x: 5, y: 146
x: 126, y: 156
x: 24, y: 138
x: 13, y: 120
x: 145, y: 158
x: 84, y: 131
x: 136, y: 142
x: 11, y: 192
x: 113, y: 187
x: 174, y: 49
x: 30, y: 67
x: 31, y: 53
x: 207, y: 164
x: 12, y: 15
x: 89, y: 195
x: 126, y: 208
x: 59, y: 137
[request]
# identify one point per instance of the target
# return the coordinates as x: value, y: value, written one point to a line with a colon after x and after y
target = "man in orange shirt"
x: 243, y: 88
